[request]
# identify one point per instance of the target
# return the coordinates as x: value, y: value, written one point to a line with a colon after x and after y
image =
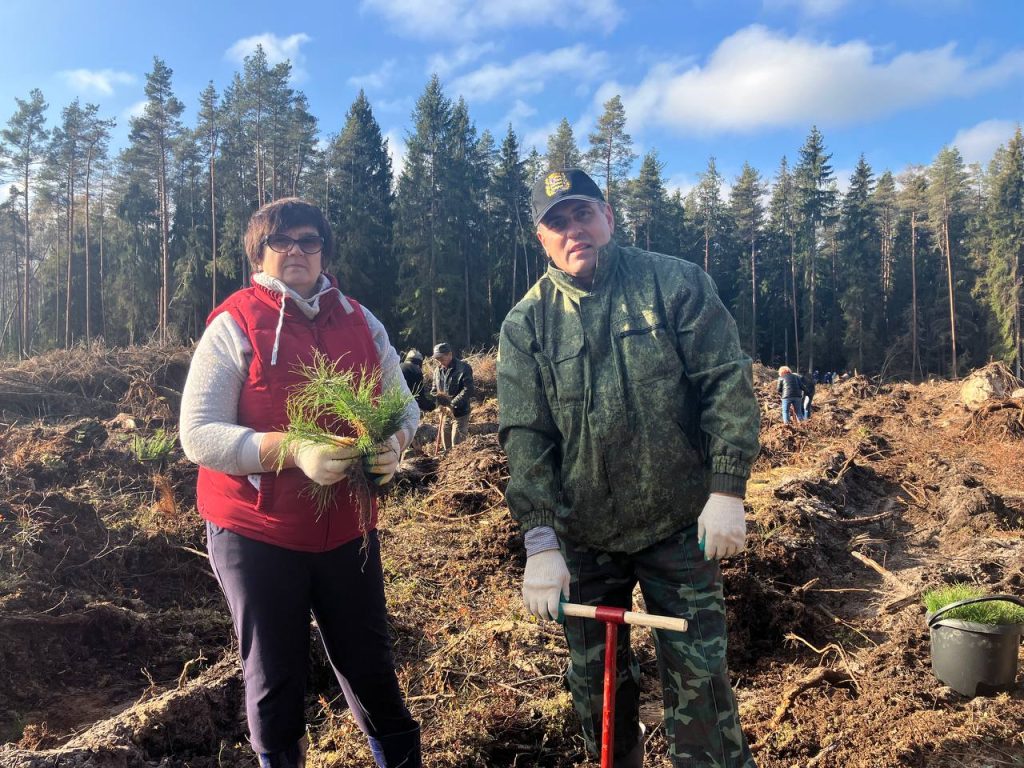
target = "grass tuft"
x: 991, y: 612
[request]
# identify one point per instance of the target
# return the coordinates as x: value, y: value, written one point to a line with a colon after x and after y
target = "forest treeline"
x: 911, y: 275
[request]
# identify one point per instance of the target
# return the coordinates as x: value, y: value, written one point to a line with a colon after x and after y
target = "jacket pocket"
x: 647, y: 350
x: 563, y: 373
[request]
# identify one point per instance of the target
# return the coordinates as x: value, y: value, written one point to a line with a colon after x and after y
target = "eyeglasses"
x: 282, y: 243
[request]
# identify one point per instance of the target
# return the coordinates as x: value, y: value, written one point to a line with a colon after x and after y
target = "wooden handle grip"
x: 629, y: 617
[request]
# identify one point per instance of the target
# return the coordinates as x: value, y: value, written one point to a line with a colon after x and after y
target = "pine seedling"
x: 991, y: 612
x: 330, y: 398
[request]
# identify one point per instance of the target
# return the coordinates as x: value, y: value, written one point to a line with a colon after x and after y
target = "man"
x: 628, y: 416
x: 791, y: 391
x: 808, y: 382
x: 453, y: 387
x: 412, y: 370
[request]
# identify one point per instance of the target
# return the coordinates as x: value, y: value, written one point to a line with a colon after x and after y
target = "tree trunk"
x: 753, y: 297
x: 213, y: 229
x: 915, y: 358
x: 949, y: 275
x: 25, y: 344
x: 165, y: 291
x: 792, y: 285
x: 88, y: 265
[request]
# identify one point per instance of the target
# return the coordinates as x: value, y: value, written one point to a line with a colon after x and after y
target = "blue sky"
x: 742, y: 81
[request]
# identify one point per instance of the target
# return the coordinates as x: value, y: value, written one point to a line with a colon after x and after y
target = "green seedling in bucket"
x: 996, y: 612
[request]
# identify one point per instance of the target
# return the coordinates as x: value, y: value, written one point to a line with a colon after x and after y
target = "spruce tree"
x: 562, y: 150
x: 815, y: 203
x: 360, y: 208
x: 860, y: 271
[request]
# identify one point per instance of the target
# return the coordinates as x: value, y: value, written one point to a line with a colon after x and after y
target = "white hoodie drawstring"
x: 277, y: 333
x: 310, y: 307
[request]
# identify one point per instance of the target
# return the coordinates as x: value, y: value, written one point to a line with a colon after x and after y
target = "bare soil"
x: 116, y: 648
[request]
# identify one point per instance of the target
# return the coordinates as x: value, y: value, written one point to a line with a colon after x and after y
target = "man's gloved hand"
x: 323, y: 464
x: 722, y: 526
x: 384, y: 463
x: 545, y: 582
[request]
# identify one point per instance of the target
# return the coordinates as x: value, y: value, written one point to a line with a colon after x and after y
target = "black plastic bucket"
x: 972, y: 658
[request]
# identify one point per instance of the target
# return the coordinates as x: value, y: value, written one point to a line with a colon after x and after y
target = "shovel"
x: 612, y: 617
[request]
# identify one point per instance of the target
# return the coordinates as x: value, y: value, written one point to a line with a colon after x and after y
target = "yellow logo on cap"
x: 556, y: 182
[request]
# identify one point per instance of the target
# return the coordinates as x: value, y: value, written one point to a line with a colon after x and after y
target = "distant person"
x: 808, y: 383
x: 817, y: 376
x: 453, y: 387
x: 791, y: 391
x: 276, y: 559
x: 412, y: 370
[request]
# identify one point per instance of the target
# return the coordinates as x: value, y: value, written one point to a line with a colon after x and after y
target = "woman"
x: 275, y: 557
x: 791, y: 392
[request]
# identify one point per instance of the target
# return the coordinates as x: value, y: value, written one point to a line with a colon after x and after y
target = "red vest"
x: 279, y: 512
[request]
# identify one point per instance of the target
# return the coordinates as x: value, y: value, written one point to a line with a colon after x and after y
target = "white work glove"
x: 323, y: 464
x: 722, y: 526
x: 384, y: 463
x: 545, y: 582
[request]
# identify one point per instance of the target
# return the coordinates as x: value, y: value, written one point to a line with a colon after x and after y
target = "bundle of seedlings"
x: 330, y: 401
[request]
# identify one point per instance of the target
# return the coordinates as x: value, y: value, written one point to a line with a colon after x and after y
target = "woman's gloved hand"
x: 722, y: 526
x: 384, y: 463
x: 323, y: 464
x: 545, y: 582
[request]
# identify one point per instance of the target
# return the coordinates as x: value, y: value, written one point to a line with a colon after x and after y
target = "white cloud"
x: 444, y: 64
x: 138, y: 109
x: 537, y: 138
x: 519, y: 112
x: 757, y: 78
x: 276, y: 48
x: 377, y: 79
x: 101, y: 81
x: 529, y: 74
x: 815, y: 8
x: 978, y: 143
x: 469, y: 19
x: 397, y: 150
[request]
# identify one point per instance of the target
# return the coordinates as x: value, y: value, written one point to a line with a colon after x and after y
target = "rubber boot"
x: 400, y: 750
x: 635, y: 757
x: 291, y: 757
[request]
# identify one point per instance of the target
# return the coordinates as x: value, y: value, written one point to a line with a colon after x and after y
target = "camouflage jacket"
x: 623, y: 406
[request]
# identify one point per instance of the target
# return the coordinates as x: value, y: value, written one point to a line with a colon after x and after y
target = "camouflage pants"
x: 701, y: 720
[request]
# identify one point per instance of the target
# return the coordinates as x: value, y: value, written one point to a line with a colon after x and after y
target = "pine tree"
x: 510, y: 220
x: 947, y: 193
x: 562, y: 150
x: 886, y: 208
x: 209, y: 130
x: 151, y: 140
x: 709, y: 208
x: 784, y: 213
x: 611, y: 149
x: 747, y: 209
x: 24, y: 146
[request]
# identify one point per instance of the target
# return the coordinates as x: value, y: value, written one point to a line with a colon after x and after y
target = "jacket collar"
x: 608, y: 259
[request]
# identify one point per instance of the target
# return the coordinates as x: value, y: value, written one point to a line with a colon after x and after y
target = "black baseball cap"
x: 565, y: 184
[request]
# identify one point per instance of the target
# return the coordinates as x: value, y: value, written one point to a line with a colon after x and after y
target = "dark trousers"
x: 271, y: 592
x: 701, y: 717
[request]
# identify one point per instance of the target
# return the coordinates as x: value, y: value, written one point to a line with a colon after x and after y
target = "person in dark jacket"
x: 412, y: 370
x: 453, y: 387
x: 627, y: 413
x: 791, y: 391
x: 808, y: 383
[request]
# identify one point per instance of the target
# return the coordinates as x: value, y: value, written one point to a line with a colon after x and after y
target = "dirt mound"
x: 115, y: 647
x: 101, y: 382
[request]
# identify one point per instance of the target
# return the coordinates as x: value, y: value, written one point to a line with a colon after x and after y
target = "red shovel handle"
x: 611, y: 642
